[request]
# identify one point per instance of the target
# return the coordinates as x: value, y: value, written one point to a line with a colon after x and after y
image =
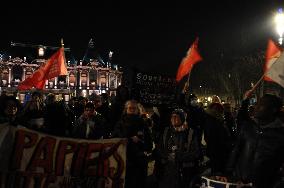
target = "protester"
x: 230, y: 122
x: 117, y: 106
x: 9, y: 109
x: 177, y: 153
x: 32, y: 115
x: 56, y: 117
x: 105, y: 111
x: 217, y: 137
x: 259, y: 150
x: 132, y: 127
x: 90, y: 125
x: 156, y: 128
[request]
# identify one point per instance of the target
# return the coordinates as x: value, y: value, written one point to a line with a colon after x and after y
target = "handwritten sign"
x: 155, y: 89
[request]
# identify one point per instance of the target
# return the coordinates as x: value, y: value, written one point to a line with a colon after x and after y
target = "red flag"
x: 272, y: 54
x: 192, y: 57
x: 54, y: 67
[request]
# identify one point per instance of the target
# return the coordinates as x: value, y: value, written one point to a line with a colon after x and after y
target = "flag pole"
x: 248, y: 94
x: 62, y: 43
x: 188, y: 77
x: 259, y: 81
x: 186, y: 85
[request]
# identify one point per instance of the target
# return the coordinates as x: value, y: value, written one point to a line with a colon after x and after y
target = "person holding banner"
x: 90, y: 125
x: 259, y: 149
x: 133, y: 127
x: 32, y: 114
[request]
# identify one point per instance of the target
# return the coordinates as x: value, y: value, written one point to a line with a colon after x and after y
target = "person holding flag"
x: 259, y: 150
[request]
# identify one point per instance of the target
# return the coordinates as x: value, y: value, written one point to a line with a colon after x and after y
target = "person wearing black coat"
x: 259, y: 150
x: 56, y: 117
x: 90, y: 125
x: 197, y: 115
x: 177, y: 153
x: 217, y: 137
x: 133, y: 127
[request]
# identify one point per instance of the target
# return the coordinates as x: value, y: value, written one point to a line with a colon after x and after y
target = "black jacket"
x: 258, y: 153
x: 96, y: 131
x: 186, y: 143
x: 129, y: 126
x: 242, y: 156
x: 218, y: 143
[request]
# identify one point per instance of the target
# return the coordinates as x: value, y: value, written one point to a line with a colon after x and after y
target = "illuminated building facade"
x: 82, y: 80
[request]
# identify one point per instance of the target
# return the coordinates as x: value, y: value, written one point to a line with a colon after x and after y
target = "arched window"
x: 17, y: 74
x: 93, y: 78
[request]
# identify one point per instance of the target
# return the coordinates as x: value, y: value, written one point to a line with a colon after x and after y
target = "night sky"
x: 152, y: 38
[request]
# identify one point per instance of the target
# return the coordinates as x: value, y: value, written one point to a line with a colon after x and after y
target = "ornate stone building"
x: 82, y: 80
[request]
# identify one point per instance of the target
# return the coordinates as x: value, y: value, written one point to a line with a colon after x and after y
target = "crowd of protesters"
x: 184, y: 140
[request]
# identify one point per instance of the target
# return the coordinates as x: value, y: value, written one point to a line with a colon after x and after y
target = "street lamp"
x: 41, y: 51
x: 279, y: 21
x: 110, y: 54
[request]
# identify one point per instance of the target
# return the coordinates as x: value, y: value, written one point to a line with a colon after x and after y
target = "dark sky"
x: 149, y: 37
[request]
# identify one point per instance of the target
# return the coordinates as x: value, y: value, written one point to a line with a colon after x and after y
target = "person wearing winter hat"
x: 177, y: 153
x: 178, y: 120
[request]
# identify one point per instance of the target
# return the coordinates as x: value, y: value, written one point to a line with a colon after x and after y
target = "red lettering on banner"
x: 91, y: 163
x: 108, y: 149
x: 112, y: 150
x: 120, y: 165
x: 104, y: 168
x: 65, y: 147
x: 44, y: 148
x: 22, y: 144
x: 40, y: 161
x: 78, y: 160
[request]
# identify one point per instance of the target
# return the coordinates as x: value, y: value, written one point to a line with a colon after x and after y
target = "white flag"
x: 276, y: 71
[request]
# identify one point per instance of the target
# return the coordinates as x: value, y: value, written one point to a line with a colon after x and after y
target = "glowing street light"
x: 279, y: 21
x: 41, y: 51
x: 110, y: 54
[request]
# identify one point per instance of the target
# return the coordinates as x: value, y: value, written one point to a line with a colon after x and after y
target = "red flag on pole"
x: 55, y: 66
x: 272, y: 54
x: 274, y: 66
x: 192, y: 57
